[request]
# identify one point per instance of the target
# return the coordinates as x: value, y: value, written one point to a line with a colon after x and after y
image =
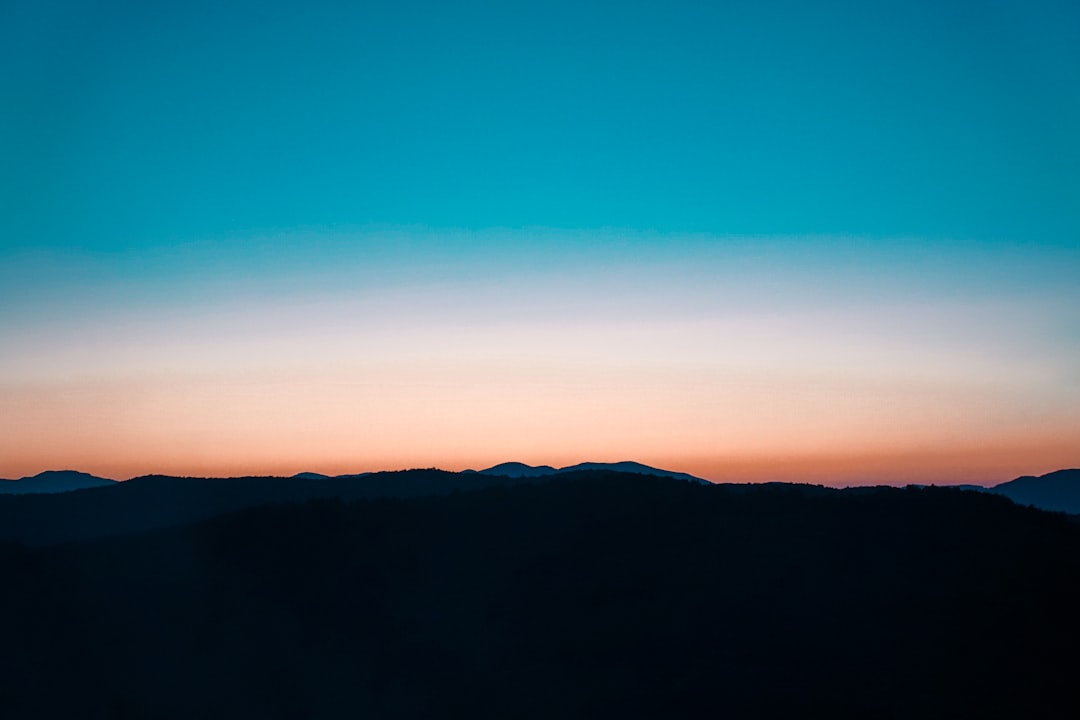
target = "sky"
x: 829, y: 242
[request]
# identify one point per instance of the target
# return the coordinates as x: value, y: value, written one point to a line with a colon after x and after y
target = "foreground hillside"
x: 598, y: 594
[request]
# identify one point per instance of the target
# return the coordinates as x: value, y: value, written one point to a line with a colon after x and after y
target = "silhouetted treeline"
x: 597, y: 595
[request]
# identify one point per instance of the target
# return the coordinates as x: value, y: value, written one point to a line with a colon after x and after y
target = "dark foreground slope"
x: 594, y: 595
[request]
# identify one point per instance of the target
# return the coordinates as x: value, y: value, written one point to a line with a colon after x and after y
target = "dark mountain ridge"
x: 517, y: 469
x: 1059, y: 491
x: 159, y: 501
x: 54, y: 481
x: 522, y: 470
x: 104, y: 507
x: 590, y: 594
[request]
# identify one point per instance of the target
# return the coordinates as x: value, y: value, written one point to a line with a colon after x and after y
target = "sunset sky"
x: 832, y: 242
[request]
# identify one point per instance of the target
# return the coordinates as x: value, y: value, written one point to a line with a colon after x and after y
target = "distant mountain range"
x: 154, y: 502
x: 1059, y: 491
x: 521, y: 470
x: 105, y: 508
x: 53, y: 481
x: 45, y: 514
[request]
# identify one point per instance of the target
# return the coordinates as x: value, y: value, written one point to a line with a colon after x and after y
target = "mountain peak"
x: 54, y: 481
x: 519, y: 470
x: 1058, y: 490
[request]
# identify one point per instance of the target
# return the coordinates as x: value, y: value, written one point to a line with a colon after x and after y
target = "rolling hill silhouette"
x: 53, y: 481
x: 517, y: 470
x: 588, y: 594
x: 43, y: 511
x: 522, y: 470
x: 1059, y: 491
x: 156, y: 501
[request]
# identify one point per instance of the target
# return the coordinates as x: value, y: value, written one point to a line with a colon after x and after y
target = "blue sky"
x: 837, y: 184
x: 128, y: 124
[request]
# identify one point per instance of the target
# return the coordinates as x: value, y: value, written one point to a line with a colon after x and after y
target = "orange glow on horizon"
x: 210, y: 427
x: 719, y: 360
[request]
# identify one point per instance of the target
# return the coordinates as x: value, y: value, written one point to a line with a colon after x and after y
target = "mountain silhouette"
x: 40, y: 511
x: 518, y: 470
x: 155, y: 502
x: 583, y: 594
x: 629, y: 466
x: 53, y: 481
x: 1058, y: 491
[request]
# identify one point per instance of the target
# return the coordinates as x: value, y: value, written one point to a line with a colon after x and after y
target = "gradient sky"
x: 836, y: 242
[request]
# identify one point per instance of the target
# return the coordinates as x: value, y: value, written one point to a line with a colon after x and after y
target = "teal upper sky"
x: 127, y: 124
x: 749, y: 240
